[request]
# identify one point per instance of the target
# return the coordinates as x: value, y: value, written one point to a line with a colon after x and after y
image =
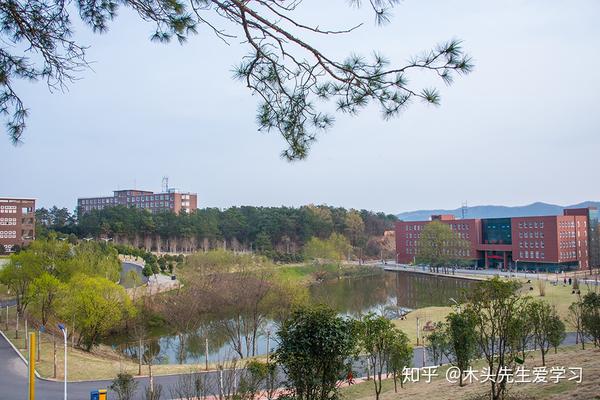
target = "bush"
x: 124, y: 386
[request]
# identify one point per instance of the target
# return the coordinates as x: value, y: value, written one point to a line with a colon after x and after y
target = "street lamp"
x: 456, y: 303
x: 63, y: 328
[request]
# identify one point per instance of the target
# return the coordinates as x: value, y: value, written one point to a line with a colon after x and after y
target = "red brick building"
x: 17, y: 222
x: 535, y: 243
x: 155, y: 202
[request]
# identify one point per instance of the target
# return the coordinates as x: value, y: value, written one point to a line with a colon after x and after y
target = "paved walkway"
x: 485, y: 273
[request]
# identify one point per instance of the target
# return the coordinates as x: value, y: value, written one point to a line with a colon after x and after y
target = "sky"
x: 523, y: 127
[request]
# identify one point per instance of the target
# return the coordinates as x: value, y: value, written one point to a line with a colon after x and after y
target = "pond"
x: 384, y: 293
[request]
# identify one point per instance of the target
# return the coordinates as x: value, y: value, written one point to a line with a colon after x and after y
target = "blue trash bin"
x: 95, y: 395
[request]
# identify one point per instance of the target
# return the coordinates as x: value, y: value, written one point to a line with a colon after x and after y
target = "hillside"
x: 497, y: 211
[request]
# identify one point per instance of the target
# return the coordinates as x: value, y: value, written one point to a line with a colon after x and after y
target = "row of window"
x: 8, y: 209
x: 566, y: 235
x: 142, y: 199
x: 531, y: 225
x: 539, y: 255
x: 102, y: 200
x: 531, y: 235
x: 571, y: 224
x: 568, y: 254
x: 153, y: 205
x: 459, y: 252
x: 532, y: 245
x: 8, y: 221
x: 8, y: 234
x: 132, y: 199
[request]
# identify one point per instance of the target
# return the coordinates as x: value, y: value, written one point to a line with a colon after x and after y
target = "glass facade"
x: 497, y: 230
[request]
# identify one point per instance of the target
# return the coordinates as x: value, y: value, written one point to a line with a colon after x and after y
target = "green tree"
x: 333, y: 249
x: 462, y: 343
x: 495, y: 305
x: 437, y: 344
x: 256, y: 377
x: 401, y: 356
x: 314, y: 344
x: 575, y: 318
x: 590, y: 316
x: 17, y: 275
x: 43, y: 292
x: 546, y: 326
x: 438, y: 246
x: 557, y: 331
x: 96, y: 305
x: 124, y: 386
x: 378, y: 336
x: 524, y: 328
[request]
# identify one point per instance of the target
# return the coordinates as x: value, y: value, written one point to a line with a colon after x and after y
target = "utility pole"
x: 54, y: 340
x: 206, y: 353
x: 140, y: 358
x: 31, y: 365
x: 268, y: 337
x: 39, y: 339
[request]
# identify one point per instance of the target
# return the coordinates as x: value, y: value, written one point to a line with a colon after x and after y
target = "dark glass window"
x: 497, y: 231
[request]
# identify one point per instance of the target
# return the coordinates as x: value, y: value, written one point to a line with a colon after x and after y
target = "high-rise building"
x: 171, y: 200
x: 17, y: 222
x: 560, y: 242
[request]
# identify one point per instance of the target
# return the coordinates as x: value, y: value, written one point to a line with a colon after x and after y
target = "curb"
x: 37, y: 375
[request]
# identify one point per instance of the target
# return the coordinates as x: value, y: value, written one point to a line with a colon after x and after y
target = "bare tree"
x: 191, y: 386
x: 242, y: 298
x: 286, y: 71
x: 184, y: 312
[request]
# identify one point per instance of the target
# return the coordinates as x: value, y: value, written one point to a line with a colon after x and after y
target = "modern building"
x: 17, y: 222
x: 559, y: 242
x: 172, y: 200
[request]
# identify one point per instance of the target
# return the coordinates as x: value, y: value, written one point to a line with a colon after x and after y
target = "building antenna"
x: 165, y: 184
x: 464, y: 209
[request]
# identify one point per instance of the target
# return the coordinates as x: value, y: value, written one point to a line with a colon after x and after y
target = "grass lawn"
x: 558, y: 295
x: 440, y: 389
x: 409, y: 325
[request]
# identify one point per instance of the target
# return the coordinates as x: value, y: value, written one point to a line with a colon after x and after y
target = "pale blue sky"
x: 522, y: 127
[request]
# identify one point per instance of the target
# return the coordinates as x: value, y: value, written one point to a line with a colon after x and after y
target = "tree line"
x: 276, y: 231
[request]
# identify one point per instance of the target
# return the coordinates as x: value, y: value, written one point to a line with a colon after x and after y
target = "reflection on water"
x: 386, y: 293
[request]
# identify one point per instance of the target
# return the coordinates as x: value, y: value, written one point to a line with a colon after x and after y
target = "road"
x: 13, y: 378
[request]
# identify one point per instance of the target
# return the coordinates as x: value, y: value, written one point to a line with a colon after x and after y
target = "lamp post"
x: 455, y: 303
x: 63, y: 328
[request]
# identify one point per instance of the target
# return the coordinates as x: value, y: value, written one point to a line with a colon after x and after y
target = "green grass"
x: 409, y: 325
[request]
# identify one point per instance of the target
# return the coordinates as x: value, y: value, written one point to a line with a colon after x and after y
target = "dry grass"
x: 440, y: 389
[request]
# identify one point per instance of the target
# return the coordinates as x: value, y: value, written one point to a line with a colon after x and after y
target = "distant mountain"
x: 497, y: 211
